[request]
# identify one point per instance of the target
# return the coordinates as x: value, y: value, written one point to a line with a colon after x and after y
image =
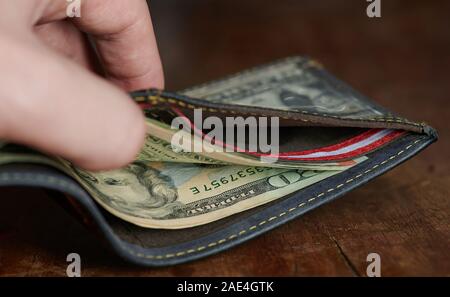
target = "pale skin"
x: 50, y: 96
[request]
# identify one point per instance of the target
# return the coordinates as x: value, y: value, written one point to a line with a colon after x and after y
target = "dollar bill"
x: 177, y: 195
x: 296, y: 84
x: 161, y: 134
x: 172, y: 195
x: 158, y: 150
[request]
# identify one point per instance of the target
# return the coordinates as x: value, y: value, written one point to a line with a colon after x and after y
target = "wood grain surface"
x: 401, y: 60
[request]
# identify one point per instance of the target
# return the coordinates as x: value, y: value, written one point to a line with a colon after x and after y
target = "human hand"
x: 50, y: 96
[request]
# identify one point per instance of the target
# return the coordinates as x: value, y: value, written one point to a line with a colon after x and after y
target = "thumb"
x: 52, y: 104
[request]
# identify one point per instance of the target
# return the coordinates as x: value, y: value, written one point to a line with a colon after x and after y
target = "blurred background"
x: 401, y: 60
x: 204, y: 39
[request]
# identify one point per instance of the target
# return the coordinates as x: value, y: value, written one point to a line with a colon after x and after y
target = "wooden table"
x: 402, y: 60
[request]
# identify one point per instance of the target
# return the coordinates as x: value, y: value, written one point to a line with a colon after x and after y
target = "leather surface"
x: 167, y: 247
x: 366, y: 113
x: 152, y: 247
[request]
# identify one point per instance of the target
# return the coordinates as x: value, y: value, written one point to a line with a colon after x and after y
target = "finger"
x: 123, y: 32
x: 52, y: 104
x: 63, y: 37
x: 125, y: 41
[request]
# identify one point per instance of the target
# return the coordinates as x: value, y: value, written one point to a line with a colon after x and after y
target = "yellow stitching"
x: 67, y: 185
x: 303, y: 204
x: 157, y: 99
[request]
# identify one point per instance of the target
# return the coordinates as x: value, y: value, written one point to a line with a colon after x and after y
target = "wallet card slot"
x: 297, y: 90
x: 161, y: 100
x: 293, y: 142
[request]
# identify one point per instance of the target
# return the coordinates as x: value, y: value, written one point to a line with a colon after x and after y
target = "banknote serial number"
x: 226, y: 286
x: 217, y: 183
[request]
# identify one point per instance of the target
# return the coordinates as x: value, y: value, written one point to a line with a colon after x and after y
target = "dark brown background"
x: 401, y: 60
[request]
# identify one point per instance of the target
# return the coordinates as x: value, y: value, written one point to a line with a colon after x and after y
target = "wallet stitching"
x: 67, y: 185
x: 311, y: 63
x: 272, y: 218
x: 157, y: 99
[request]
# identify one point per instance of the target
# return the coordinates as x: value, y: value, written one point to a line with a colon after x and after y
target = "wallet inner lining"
x: 290, y: 138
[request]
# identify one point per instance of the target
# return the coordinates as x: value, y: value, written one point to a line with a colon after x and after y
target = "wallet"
x: 298, y: 82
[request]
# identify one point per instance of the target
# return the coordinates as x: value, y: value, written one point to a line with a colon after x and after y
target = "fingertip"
x: 78, y: 116
x: 126, y: 44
